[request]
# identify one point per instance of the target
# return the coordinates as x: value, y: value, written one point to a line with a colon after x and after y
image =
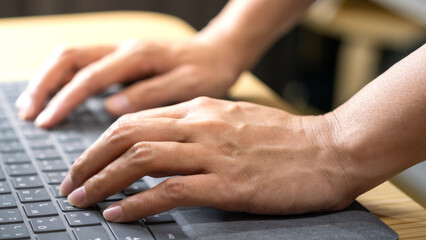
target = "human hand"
x: 235, y: 156
x: 172, y: 72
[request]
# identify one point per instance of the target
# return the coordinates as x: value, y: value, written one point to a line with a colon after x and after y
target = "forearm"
x: 247, y: 28
x: 383, y: 127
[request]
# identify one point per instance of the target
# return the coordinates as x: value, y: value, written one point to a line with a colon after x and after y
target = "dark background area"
x: 300, y: 66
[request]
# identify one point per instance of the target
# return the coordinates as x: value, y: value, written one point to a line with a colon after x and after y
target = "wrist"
x: 336, y: 162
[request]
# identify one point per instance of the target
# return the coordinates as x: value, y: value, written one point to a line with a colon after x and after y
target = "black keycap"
x: 35, y: 133
x: 26, y: 182
x: 7, y: 201
x: 8, y: 135
x: 67, y: 136
x: 52, y: 165
x: 136, y: 187
x: 55, y: 190
x: 73, y: 147
x: 66, y: 206
x: 47, y: 154
x: 40, y: 209
x: 15, y: 158
x: 104, y: 205
x: 5, y: 124
x: 164, y: 217
x: 10, y: 216
x: 4, y: 187
x: 54, y: 177
x: 71, y: 157
x: 11, y: 146
x: 91, y: 233
x: 40, y: 143
x: 79, y: 219
x: 33, y: 195
x: 13, y: 231
x: 167, y: 231
x: 114, y: 197
x: 21, y: 169
x: 47, y: 224
x: 124, y: 231
x: 53, y: 236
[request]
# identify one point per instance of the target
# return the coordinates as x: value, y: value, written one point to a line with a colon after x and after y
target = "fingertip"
x: 44, y: 119
x: 113, y: 213
x: 118, y: 104
x: 66, y: 186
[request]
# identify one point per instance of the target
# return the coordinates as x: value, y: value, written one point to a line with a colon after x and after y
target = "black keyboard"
x: 33, y: 163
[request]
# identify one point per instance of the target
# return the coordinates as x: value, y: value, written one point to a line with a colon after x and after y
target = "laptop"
x: 33, y: 162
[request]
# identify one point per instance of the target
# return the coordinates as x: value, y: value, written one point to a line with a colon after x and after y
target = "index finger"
x: 55, y: 72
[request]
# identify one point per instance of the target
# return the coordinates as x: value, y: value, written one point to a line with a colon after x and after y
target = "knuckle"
x: 118, y: 131
x: 141, y: 154
x: 65, y: 52
x: 174, y: 189
x: 203, y: 101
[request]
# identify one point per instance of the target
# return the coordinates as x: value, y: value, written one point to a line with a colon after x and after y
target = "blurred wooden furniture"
x: 26, y: 42
x: 365, y: 29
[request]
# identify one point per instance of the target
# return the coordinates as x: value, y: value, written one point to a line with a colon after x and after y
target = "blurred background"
x: 339, y: 46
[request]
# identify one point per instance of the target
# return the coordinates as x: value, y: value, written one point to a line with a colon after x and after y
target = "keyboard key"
x: 67, y: 207
x: 7, y: 201
x: 164, y: 217
x: 52, y: 166
x: 54, y: 177
x: 10, y: 216
x: 13, y: 231
x: 47, y: 224
x: 115, y: 197
x: 71, y: 157
x: 53, y: 236
x: 136, y: 187
x: 55, y: 190
x: 41, y: 209
x: 90, y: 233
x: 33, y: 132
x: 67, y: 136
x: 2, y: 176
x: 33, y: 195
x: 21, y: 169
x: 40, y: 143
x: 27, y: 182
x: 123, y: 231
x: 8, y: 135
x: 79, y: 219
x: 167, y: 231
x: 11, y: 146
x: 73, y: 147
x: 15, y: 158
x: 4, y: 187
x: 47, y: 154
x: 104, y: 205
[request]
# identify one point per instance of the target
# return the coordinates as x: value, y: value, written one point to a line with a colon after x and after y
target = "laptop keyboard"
x: 33, y: 163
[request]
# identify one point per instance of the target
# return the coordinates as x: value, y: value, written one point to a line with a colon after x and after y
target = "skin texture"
x: 231, y: 155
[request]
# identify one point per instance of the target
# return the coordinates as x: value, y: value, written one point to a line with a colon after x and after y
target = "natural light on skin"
x: 232, y: 155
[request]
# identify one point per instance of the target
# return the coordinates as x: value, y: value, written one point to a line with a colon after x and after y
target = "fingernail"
x: 113, y: 213
x: 66, y: 186
x: 118, y: 103
x: 44, y: 117
x: 77, y: 196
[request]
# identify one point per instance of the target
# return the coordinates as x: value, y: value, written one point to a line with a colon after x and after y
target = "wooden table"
x: 26, y: 42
